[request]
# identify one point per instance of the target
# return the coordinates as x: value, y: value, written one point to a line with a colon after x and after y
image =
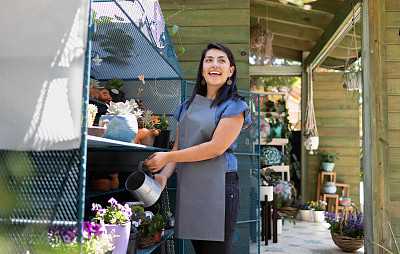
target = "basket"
x: 145, y: 242
x: 347, y: 243
x: 291, y: 211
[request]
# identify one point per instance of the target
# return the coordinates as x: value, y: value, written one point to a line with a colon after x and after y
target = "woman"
x: 209, y: 124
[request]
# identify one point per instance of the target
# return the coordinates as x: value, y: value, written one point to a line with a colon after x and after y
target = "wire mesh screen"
x: 132, y: 39
x: 39, y: 190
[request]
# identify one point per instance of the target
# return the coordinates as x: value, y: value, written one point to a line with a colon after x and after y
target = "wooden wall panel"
x: 202, y: 22
x: 392, y: 63
x: 337, y: 116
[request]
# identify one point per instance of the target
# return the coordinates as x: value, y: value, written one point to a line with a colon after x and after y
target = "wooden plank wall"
x: 205, y: 21
x: 393, y: 113
x: 337, y: 115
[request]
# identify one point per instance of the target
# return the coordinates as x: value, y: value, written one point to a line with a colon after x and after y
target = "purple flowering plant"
x: 302, y: 205
x: 116, y: 213
x: 95, y: 239
x: 353, y: 226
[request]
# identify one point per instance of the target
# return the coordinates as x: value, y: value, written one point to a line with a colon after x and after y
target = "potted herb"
x: 157, y: 225
x: 122, y: 125
x: 115, y: 86
x: 327, y: 161
x: 116, y: 217
x: 162, y: 140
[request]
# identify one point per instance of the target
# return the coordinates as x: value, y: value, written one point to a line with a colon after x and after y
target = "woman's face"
x: 216, y: 68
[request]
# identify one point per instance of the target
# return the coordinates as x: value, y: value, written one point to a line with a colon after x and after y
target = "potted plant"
x: 318, y: 210
x: 157, y: 225
x: 116, y: 217
x: 283, y: 216
x: 144, y: 220
x: 147, y: 131
x: 327, y: 160
x: 304, y: 210
x: 347, y: 233
x: 122, y: 125
x: 170, y: 220
x: 268, y: 180
x: 115, y: 86
x: 276, y: 128
x: 63, y: 239
x: 162, y: 140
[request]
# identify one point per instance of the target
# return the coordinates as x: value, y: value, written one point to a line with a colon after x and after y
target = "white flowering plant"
x: 116, y: 213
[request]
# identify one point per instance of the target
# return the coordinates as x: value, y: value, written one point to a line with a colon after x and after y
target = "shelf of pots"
x: 327, y: 160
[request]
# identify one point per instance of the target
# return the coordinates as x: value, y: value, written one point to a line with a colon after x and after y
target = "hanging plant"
x: 311, y: 133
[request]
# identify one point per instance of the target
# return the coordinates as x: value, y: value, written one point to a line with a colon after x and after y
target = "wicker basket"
x: 347, y: 243
x: 145, y: 242
x: 291, y: 211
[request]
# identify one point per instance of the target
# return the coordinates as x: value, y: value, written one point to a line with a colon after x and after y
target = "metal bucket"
x: 143, y: 187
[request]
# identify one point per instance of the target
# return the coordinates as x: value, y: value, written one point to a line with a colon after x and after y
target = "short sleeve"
x: 235, y: 108
x: 180, y: 110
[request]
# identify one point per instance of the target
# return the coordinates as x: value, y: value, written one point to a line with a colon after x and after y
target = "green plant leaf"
x: 182, y: 49
x: 175, y: 29
x: 118, y: 18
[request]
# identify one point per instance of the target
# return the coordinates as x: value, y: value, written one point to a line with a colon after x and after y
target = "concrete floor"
x: 303, y: 238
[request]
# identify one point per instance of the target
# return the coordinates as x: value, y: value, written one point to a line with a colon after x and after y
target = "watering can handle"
x: 140, y: 168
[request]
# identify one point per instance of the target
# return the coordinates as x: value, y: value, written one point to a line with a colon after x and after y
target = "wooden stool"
x: 266, y: 207
x: 333, y: 203
x: 320, y: 187
x: 345, y: 193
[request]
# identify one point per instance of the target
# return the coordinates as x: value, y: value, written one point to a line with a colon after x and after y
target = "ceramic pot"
x: 266, y: 190
x: 133, y: 243
x: 121, y: 240
x: 305, y: 215
x: 278, y: 226
x: 344, y: 201
x: 121, y: 127
x: 327, y: 166
x: 149, y: 139
x: 277, y: 131
x: 157, y: 237
x: 170, y: 222
x: 319, y: 216
x: 311, y: 143
x: 162, y: 140
x: 330, y: 188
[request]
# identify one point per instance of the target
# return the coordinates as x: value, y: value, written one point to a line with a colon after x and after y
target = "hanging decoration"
x: 310, y: 125
x: 352, y: 76
x: 261, y: 43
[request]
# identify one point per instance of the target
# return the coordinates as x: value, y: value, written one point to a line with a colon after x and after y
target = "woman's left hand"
x: 156, y: 161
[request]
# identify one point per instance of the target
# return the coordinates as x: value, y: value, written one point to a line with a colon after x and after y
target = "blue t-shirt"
x: 228, y: 108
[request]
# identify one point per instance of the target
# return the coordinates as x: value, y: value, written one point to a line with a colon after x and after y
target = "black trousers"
x: 232, y: 200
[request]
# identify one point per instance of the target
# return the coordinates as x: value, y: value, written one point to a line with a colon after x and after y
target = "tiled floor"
x: 303, y: 238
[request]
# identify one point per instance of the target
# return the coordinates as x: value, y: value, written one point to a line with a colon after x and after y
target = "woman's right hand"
x: 161, y: 179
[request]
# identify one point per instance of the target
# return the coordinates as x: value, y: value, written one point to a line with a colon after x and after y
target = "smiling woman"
x: 209, y: 124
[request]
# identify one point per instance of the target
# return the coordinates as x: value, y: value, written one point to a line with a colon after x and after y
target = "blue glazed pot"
x: 328, y: 166
x: 277, y: 130
x: 330, y: 188
x: 121, y: 127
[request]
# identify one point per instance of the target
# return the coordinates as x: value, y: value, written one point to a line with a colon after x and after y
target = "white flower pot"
x: 278, y: 226
x: 305, y: 215
x: 121, y: 240
x: 266, y: 190
x: 319, y: 216
x: 311, y: 143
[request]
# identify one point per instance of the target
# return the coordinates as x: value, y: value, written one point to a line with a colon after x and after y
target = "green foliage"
x: 271, y: 83
x: 327, y: 157
x: 157, y: 224
x: 115, y: 83
x: 137, y: 209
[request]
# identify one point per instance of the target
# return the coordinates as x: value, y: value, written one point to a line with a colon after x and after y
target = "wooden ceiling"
x: 296, y: 30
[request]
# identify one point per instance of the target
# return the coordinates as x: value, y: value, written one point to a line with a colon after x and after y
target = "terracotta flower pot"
x: 142, y: 133
x: 146, y: 137
x: 157, y: 237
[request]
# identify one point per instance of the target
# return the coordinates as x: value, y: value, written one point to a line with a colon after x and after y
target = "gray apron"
x: 200, y: 198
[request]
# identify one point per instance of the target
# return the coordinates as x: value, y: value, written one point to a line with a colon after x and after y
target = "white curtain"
x: 42, y: 56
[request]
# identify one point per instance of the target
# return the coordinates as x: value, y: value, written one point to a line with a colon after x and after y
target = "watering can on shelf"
x: 143, y: 187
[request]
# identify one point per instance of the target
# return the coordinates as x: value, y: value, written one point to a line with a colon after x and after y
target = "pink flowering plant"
x: 115, y: 214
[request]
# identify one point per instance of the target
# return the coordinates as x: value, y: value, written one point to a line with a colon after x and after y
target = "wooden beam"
x: 297, y: 44
x: 202, y: 4
x: 276, y: 70
x: 273, y: 11
x: 343, y: 53
x: 333, y: 63
x: 333, y: 29
x: 290, y: 54
x: 290, y: 30
x: 321, y: 6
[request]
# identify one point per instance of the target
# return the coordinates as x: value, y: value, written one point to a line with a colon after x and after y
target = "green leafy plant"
x: 284, y: 216
x: 147, y: 120
x: 327, y: 157
x: 157, y: 224
x: 115, y: 83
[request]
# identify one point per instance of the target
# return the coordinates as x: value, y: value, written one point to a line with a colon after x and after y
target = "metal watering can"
x: 143, y: 187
